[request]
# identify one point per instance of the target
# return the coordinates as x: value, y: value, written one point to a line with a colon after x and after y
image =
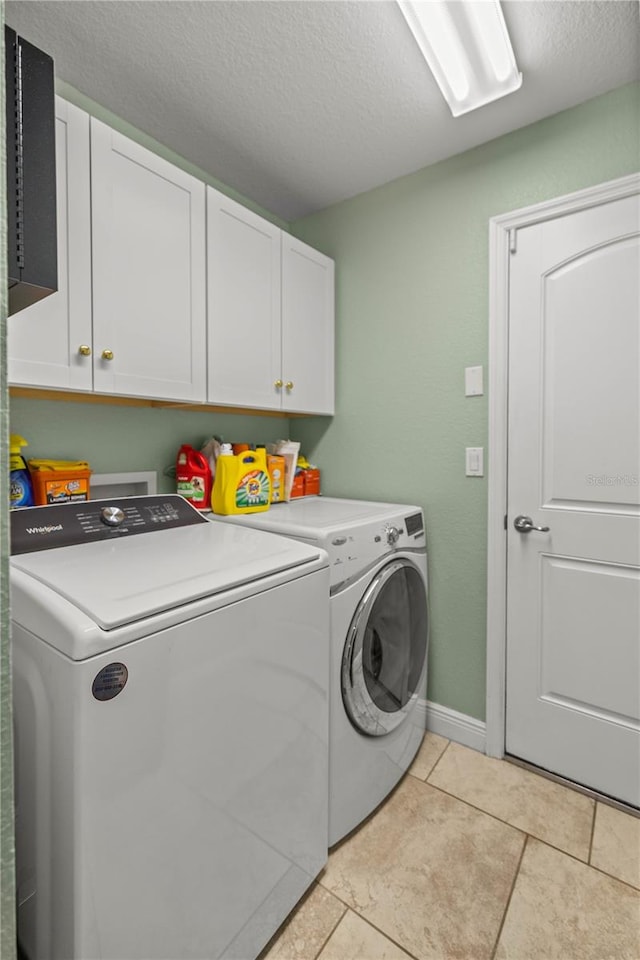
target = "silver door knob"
x: 526, y: 525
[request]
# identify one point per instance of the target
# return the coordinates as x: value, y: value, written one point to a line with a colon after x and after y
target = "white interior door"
x: 573, y: 591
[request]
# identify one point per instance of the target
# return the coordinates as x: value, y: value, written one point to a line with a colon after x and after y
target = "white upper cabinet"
x: 307, y: 329
x: 149, y: 303
x: 270, y: 314
x: 243, y: 274
x: 50, y: 342
x: 153, y: 303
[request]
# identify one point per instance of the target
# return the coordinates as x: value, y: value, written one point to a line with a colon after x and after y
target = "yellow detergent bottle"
x: 242, y: 483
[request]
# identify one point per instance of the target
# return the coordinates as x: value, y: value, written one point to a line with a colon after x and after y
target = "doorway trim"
x: 502, y: 241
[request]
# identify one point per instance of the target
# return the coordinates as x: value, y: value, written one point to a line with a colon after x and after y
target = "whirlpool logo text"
x: 52, y: 528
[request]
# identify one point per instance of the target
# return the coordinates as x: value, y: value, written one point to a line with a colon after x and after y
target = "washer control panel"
x: 67, y: 524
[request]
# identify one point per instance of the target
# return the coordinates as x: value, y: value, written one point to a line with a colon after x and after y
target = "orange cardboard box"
x: 275, y: 466
x: 311, y: 482
x: 297, y: 490
x: 55, y: 483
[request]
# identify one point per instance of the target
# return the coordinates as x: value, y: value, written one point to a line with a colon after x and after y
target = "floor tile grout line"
x: 333, y: 928
x: 431, y: 769
x: 506, y: 822
x: 338, y: 897
x: 355, y: 910
x: 510, y: 897
x: 527, y: 836
x: 386, y: 935
x: 437, y: 761
x: 603, y: 873
x: 573, y: 786
x: 352, y: 909
x: 593, y: 830
x: 493, y: 816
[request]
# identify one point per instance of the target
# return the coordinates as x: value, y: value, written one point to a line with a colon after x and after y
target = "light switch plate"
x: 474, y: 461
x: 473, y: 382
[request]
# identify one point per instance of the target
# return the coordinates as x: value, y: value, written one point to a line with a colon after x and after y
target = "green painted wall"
x: 116, y: 439
x: 7, y: 872
x: 412, y: 312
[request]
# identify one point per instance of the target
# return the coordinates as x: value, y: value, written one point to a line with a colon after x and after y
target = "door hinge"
x: 505, y: 521
x: 513, y: 241
x: 19, y: 156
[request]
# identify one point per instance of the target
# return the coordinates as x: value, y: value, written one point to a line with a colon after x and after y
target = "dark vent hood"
x: 31, y: 173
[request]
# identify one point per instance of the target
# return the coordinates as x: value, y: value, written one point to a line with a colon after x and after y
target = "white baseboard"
x: 453, y: 725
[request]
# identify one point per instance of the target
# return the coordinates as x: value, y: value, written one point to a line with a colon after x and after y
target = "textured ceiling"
x: 299, y: 104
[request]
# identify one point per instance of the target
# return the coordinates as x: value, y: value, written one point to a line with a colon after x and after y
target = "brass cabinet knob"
x: 107, y: 354
x: 278, y: 384
x: 289, y: 384
x: 84, y: 350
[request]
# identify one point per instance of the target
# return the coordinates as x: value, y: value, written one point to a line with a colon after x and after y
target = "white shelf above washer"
x: 103, y: 486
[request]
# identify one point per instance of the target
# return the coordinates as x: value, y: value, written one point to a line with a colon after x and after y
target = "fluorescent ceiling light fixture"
x: 467, y: 47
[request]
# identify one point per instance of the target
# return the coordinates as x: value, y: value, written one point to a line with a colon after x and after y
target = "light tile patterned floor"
x: 475, y: 859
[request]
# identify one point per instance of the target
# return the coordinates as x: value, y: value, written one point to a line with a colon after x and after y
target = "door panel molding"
x: 502, y: 239
x: 580, y: 585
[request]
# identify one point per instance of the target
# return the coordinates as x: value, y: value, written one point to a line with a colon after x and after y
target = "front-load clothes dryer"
x: 171, y: 719
x: 379, y: 636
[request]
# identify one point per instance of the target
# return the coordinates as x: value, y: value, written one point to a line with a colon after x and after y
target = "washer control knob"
x: 393, y: 535
x: 112, y: 516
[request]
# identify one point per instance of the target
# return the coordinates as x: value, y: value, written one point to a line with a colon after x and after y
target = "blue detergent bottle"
x: 20, y: 486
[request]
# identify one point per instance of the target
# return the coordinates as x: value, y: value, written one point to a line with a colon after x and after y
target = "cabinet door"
x: 243, y: 272
x: 307, y: 328
x: 148, y: 272
x: 44, y: 340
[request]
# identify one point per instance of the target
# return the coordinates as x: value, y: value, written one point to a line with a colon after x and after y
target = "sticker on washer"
x: 110, y: 681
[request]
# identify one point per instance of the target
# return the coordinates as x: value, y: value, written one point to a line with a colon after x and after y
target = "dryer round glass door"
x: 385, y: 654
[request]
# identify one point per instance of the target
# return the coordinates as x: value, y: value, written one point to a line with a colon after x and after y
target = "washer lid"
x: 117, y: 582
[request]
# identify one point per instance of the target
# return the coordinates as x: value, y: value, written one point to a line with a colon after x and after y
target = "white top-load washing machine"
x: 170, y: 683
x: 379, y: 636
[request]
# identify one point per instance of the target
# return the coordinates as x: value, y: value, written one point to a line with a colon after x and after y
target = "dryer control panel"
x: 358, y: 547
x: 67, y: 524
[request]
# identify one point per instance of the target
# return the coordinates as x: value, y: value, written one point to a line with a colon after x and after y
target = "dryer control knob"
x: 112, y: 516
x: 393, y: 535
